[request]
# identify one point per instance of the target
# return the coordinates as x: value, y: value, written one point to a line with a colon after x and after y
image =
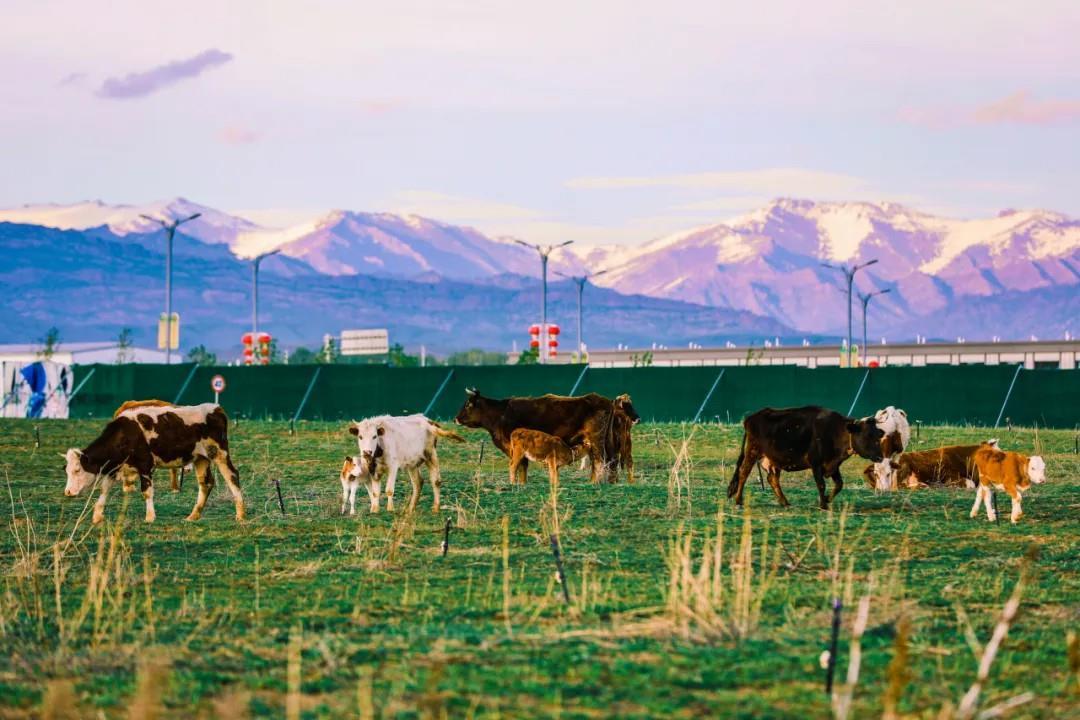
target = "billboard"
x: 375, y: 341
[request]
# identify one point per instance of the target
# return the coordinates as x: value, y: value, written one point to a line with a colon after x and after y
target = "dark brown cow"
x: 806, y: 438
x: 137, y: 441
x: 540, y: 447
x: 947, y: 466
x: 564, y: 417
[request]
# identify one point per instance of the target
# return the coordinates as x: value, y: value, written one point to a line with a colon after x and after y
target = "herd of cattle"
x: 553, y: 431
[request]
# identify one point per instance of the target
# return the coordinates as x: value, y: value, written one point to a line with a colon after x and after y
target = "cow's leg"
x: 748, y: 458
x: 99, y: 505
x: 838, y: 484
x: 627, y: 459
x: 174, y: 479
x: 978, y: 500
x: 232, y: 479
x: 819, y: 479
x: 391, y: 478
x: 373, y: 492
x: 436, y: 483
x: 553, y: 471
x: 354, y: 485
x: 146, y: 483
x: 523, y: 470
x: 345, y: 482
x: 1017, y: 511
x: 206, y: 484
x: 417, y: 481
x: 988, y: 501
x: 774, y: 483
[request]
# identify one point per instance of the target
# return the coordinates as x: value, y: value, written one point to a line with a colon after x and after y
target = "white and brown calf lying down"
x: 387, y: 444
x: 150, y: 436
x: 947, y: 466
x: 540, y: 447
x: 1008, y: 471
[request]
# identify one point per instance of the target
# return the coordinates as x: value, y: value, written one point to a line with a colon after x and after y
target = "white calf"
x: 388, y: 444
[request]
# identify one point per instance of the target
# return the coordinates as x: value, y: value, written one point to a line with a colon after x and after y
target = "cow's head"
x: 1036, y: 469
x: 369, y: 437
x: 78, y: 477
x: 866, y: 438
x: 351, y: 468
x: 471, y: 414
x: 623, y: 403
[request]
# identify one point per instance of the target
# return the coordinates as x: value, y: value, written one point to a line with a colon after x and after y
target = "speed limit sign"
x: 217, y: 384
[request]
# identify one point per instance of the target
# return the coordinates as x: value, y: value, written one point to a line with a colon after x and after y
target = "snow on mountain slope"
x: 213, y: 226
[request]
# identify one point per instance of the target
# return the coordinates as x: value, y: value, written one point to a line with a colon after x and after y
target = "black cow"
x: 811, y: 437
x: 568, y: 418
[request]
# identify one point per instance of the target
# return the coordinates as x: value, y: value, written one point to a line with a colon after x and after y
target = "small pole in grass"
x: 830, y: 668
x: 1008, y: 423
x: 760, y: 477
x: 292, y: 427
x: 446, y: 537
x: 180, y: 485
x: 560, y: 576
x: 280, y: 502
x: 37, y: 437
x: 918, y: 429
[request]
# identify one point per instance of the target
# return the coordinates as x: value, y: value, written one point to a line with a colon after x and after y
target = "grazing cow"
x: 540, y: 447
x: 615, y: 428
x: 1008, y: 471
x: 563, y: 417
x: 812, y: 437
x: 175, y: 475
x: 140, y: 439
x: 947, y: 466
x: 894, y: 423
x: 388, y: 444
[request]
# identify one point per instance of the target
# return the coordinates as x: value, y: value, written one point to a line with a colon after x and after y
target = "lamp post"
x: 865, y: 299
x: 581, y: 281
x: 545, y: 252
x: 849, y: 273
x: 255, y: 261
x: 170, y: 231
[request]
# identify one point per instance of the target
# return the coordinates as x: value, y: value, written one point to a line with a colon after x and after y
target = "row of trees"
x: 397, y: 357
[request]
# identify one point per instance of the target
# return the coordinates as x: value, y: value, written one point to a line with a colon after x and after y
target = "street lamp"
x: 849, y: 272
x: 170, y: 231
x: 580, y: 281
x: 545, y: 251
x: 255, y: 261
x: 865, y: 298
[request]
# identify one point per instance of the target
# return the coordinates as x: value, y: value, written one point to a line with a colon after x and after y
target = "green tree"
x: 529, y: 357
x: 304, y: 356
x: 201, y: 356
x: 476, y: 356
x: 397, y: 357
x: 123, y: 346
x: 49, y: 343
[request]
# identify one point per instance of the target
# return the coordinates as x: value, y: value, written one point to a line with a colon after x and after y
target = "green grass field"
x: 318, y: 615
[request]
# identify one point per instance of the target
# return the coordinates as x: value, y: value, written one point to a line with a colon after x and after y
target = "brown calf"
x: 540, y: 447
x: 947, y: 466
x: 615, y: 428
x: 1008, y: 471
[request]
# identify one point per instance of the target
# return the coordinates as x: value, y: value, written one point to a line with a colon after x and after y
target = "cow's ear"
x: 380, y: 430
x: 853, y: 427
x: 354, y: 430
x: 902, y: 413
x: 348, y: 458
x: 471, y: 392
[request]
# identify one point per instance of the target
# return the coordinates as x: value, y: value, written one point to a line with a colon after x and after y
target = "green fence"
x: 939, y: 394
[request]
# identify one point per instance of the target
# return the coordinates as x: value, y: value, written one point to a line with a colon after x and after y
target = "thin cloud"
x: 75, y: 78
x: 141, y: 84
x: 1019, y: 108
x: 234, y: 135
x: 771, y: 182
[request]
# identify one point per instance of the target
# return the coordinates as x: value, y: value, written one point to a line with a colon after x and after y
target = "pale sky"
x: 592, y: 121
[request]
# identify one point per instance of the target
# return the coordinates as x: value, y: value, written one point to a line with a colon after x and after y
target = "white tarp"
x: 18, y: 396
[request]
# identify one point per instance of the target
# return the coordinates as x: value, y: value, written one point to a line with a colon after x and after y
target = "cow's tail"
x: 448, y: 434
x: 733, y: 486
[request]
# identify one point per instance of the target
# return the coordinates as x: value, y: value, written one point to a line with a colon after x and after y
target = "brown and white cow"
x: 175, y: 475
x: 894, y: 423
x: 1008, y: 471
x: 540, y: 447
x: 946, y: 466
x: 140, y: 439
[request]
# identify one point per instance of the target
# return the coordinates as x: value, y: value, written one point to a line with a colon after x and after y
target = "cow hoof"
x: 150, y: 518
x: 193, y: 517
x: 974, y: 514
x: 98, y: 519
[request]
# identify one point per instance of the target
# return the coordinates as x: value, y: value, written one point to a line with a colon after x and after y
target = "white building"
x: 82, y: 353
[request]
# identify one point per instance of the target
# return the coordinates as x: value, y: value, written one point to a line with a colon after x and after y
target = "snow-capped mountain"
x: 771, y: 261
x: 213, y: 226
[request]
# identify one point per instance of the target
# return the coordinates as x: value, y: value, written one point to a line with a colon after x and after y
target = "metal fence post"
x: 708, y: 395
x: 577, y: 382
x: 859, y: 392
x: 1008, y: 394
x: 187, y: 381
x: 80, y: 385
x: 310, y: 387
x: 438, y: 392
